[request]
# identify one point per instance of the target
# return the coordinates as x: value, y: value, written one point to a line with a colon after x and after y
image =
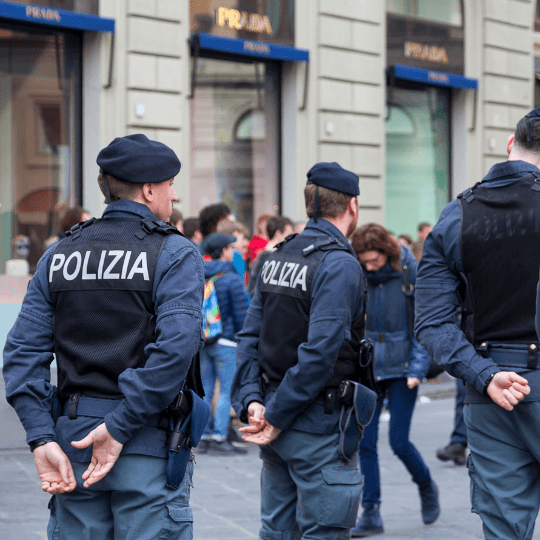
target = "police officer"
x: 299, y: 341
x: 485, y: 250
x: 118, y: 301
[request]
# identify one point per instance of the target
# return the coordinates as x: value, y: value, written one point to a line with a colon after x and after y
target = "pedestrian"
x: 279, y: 227
x: 192, y: 230
x: 484, y: 251
x: 177, y: 220
x: 209, y: 218
x: 233, y: 228
x: 218, y: 358
x: 405, y: 240
x: 400, y: 365
x: 259, y: 239
x: 72, y: 216
x: 300, y: 340
x: 455, y: 449
x: 118, y: 302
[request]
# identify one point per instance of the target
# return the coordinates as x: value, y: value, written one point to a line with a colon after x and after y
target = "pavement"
x: 225, y: 498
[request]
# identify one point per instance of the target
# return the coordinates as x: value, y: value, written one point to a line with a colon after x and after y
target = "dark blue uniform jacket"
x: 437, y: 299
x: 28, y: 353
x: 336, y: 300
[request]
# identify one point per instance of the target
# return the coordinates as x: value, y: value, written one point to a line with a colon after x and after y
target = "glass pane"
x: 39, y: 93
x: 447, y: 12
x: 235, y: 119
x: 537, y: 17
x: 417, y: 157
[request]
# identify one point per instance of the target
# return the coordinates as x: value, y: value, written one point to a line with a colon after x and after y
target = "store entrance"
x: 235, y: 137
x: 417, y: 155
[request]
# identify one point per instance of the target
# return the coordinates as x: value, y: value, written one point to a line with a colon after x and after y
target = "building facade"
x: 417, y: 97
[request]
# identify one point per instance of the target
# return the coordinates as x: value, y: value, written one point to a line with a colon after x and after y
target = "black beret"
x: 216, y: 242
x: 535, y: 113
x: 138, y: 160
x: 333, y: 176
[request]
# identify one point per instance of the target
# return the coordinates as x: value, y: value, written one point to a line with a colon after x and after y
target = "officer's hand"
x: 263, y: 437
x: 54, y: 469
x: 255, y: 418
x: 104, y: 454
x: 507, y: 389
x: 412, y: 382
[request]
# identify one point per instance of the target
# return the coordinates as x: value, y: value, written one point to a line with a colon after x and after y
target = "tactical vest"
x: 101, y: 278
x: 500, y: 247
x: 285, y: 283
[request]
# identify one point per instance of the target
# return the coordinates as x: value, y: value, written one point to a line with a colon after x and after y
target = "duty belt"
x: 512, y: 358
x: 79, y: 405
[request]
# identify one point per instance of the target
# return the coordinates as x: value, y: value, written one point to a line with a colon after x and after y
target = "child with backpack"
x: 224, y: 310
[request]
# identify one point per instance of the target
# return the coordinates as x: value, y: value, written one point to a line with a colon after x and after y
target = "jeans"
x: 218, y: 362
x: 401, y: 402
x: 130, y: 503
x: 459, y: 435
x: 306, y: 490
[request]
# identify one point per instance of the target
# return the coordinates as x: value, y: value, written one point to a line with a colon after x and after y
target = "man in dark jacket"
x: 218, y: 357
x: 118, y: 301
x: 301, y: 338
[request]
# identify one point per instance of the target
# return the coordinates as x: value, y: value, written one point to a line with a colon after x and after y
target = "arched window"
x: 250, y: 126
x: 447, y: 12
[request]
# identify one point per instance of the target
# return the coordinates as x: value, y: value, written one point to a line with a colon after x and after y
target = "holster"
x: 188, y: 416
x: 357, y: 410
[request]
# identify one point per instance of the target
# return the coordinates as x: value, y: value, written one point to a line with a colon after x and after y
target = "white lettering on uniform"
x: 126, y: 262
x: 85, y: 274
x: 101, y: 261
x: 268, y: 270
x: 300, y: 279
x: 59, y: 262
x: 140, y: 266
x: 67, y: 275
x: 272, y: 280
x: 288, y: 267
x: 56, y: 263
x: 117, y: 254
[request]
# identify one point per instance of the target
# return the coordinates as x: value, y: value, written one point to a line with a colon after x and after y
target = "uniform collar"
x: 122, y: 207
x: 325, y: 227
x: 502, y: 171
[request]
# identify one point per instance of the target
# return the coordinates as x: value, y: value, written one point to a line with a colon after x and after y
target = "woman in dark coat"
x: 400, y: 365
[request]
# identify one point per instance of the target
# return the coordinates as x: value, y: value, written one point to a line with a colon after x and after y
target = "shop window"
x: 536, y: 38
x: 40, y: 107
x: 417, y: 156
x: 235, y: 137
x: 447, y: 12
x: 250, y: 126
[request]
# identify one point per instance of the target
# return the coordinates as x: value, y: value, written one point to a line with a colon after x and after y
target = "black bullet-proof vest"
x: 285, y: 284
x: 500, y: 247
x: 101, y: 278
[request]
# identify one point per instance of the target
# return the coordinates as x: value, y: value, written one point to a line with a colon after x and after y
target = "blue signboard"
x: 62, y: 18
x: 244, y: 47
x: 438, y: 78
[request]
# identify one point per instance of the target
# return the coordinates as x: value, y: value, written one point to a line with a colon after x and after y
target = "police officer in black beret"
x: 118, y: 301
x: 300, y: 340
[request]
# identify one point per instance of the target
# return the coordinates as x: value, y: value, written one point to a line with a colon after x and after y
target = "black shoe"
x: 455, y: 451
x: 224, y: 448
x: 429, y: 499
x: 202, y: 447
x: 370, y: 522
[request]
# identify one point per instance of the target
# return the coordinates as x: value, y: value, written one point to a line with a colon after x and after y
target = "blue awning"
x: 244, y: 47
x: 61, y: 18
x: 438, y: 78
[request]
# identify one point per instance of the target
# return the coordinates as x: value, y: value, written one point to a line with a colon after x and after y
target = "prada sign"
x: 424, y: 44
x: 271, y: 21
